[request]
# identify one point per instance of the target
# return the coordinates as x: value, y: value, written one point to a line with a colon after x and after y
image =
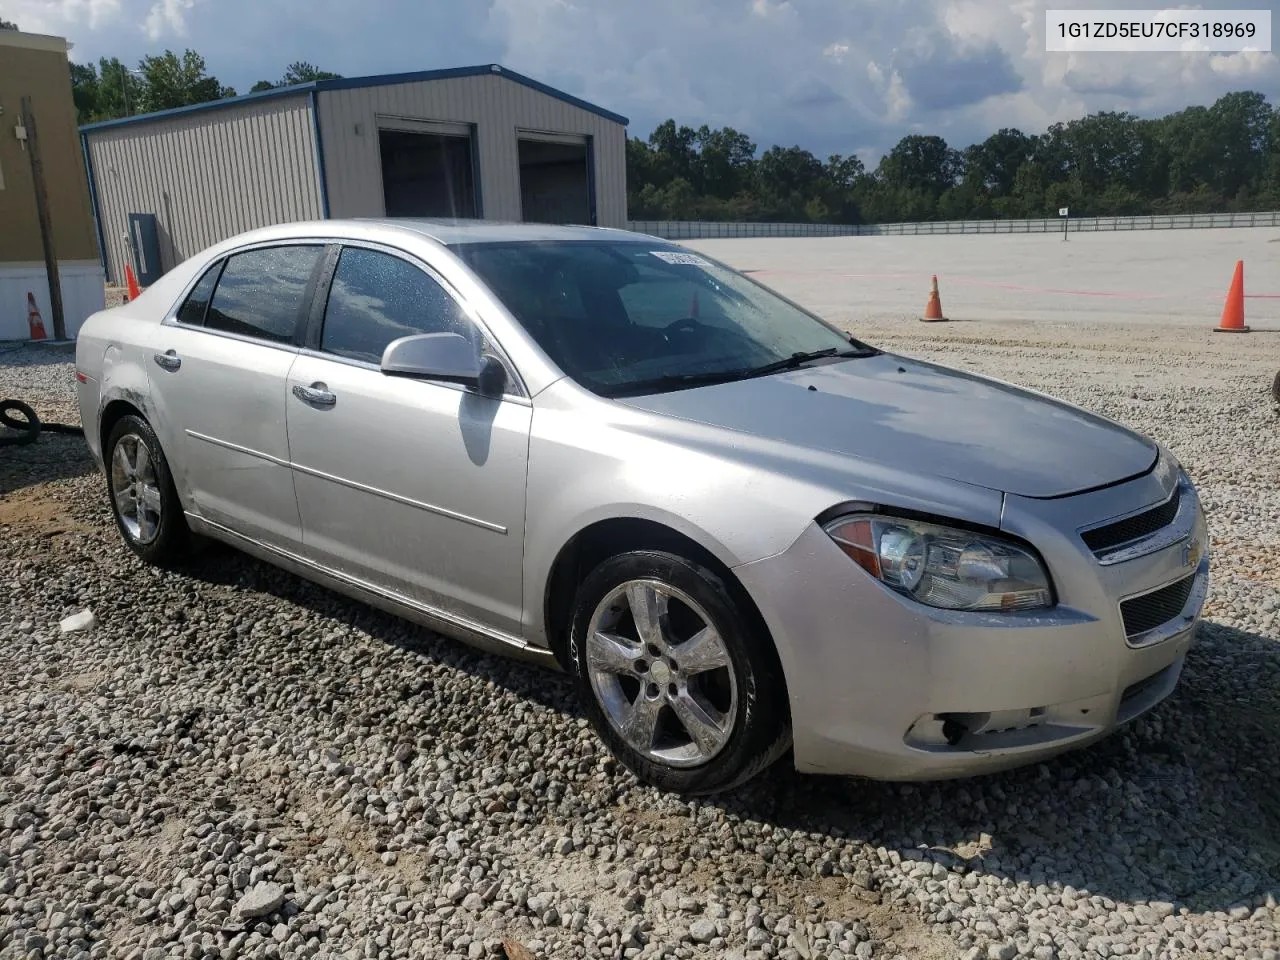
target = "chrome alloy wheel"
x: 135, y: 489
x: 661, y: 672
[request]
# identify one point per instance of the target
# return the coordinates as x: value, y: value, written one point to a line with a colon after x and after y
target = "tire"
x: 735, y: 683
x: 149, y: 516
x: 1275, y: 387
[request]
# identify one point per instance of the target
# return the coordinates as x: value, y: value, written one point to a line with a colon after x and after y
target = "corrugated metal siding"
x: 498, y: 107
x: 206, y: 176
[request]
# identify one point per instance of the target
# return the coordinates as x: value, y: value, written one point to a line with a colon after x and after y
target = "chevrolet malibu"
x: 741, y: 530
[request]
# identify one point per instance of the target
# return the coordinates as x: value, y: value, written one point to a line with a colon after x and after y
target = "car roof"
x: 451, y: 232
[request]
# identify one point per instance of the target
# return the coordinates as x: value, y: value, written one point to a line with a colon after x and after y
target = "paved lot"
x: 1165, y: 277
x: 231, y: 726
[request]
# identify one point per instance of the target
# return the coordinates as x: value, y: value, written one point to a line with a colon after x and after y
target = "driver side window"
x: 376, y: 298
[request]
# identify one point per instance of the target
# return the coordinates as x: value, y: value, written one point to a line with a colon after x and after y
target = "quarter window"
x: 193, y: 308
x: 376, y: 298
x: 261, y: 292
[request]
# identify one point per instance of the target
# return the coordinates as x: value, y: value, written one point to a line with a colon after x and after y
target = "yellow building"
x: 36, y: 66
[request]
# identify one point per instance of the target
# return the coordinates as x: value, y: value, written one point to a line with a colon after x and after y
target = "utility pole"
x: 46, y: 228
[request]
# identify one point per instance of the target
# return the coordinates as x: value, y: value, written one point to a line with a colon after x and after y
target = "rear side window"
x: 261, y: 292
x: 192, y: 310
x: 376, y: 298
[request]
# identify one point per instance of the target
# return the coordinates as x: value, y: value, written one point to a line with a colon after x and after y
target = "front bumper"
x: 883, y: 687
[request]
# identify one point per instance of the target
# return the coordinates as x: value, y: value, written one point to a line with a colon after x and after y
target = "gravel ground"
x: 233, y: 762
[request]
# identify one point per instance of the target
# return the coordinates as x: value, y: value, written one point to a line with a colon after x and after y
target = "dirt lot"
x: 230, y: 726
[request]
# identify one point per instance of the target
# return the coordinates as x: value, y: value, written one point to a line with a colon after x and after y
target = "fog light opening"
x: 953, y: 730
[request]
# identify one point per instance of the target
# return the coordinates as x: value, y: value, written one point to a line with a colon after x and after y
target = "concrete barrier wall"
x: 697, y: 229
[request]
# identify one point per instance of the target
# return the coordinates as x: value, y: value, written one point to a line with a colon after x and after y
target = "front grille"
x: 1155, y: 608
x: 1133, y: 528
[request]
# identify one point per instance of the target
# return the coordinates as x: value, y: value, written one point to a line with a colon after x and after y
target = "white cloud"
x: 60, y: 17
x: 167, y: 17
x: 835, y: 51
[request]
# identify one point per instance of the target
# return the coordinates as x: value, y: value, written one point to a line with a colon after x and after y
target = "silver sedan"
x: 740, y: 529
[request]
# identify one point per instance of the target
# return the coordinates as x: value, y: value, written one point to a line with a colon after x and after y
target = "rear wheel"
x: 678, y: 680
x: 143, y: 498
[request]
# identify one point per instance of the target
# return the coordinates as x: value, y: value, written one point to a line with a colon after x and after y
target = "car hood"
x: 923, y: 418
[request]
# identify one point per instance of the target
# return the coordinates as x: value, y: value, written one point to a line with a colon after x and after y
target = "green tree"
x: 921, y: 163
x: 297, y: 72
x: 992, y: 166
x: 84, y: 91
x: 725, y: 161
x: 302, y: 72
x: 7, y: 24
x: 120, y: 92
x: 170, y: 81
x: 675, y: 153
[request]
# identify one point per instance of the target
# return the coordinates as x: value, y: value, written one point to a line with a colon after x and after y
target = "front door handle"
x: 317, y: 395
x: 169, y: 360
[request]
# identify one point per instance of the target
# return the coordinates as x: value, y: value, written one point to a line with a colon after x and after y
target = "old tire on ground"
x: 142, y: 495
x: 681, y: 682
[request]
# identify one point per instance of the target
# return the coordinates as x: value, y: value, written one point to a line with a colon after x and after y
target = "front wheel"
x: 677, y: 679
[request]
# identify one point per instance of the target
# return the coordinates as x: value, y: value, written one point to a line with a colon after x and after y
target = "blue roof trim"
x: 351, y: 83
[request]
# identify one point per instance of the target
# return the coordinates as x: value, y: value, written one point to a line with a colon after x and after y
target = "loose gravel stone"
x: 260, y: 901
x: 227, y: 727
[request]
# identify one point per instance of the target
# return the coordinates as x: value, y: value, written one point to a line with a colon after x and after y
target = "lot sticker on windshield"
x: 689, y: 259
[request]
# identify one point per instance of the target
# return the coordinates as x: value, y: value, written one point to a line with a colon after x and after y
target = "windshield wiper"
x: 674, y: 381
x: 683, y: 381
x: 800, y: 359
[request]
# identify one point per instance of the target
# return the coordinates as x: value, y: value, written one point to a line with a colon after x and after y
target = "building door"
x: 144, y: 244
x: 426, y: 173
x: 555, y: 179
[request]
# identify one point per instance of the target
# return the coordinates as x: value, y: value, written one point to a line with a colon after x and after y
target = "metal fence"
x: 699, y: 229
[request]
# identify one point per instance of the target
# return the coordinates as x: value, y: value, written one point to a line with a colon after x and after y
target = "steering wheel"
x: 684, y: 323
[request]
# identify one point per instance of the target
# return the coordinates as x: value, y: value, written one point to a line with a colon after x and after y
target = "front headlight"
x: 944, y: 566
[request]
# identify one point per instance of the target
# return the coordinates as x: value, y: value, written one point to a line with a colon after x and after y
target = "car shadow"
x: 216, y: 563
x: 1160, y: 811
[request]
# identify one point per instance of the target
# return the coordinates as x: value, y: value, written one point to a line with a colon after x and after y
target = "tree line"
x: 111, y: 90
x: 1225, y: 157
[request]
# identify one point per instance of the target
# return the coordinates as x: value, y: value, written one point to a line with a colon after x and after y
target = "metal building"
x: 468, y: 142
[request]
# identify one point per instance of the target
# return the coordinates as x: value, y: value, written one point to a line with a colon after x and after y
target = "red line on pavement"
x: 1004, y: 285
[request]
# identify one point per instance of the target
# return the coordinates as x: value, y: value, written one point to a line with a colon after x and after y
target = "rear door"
x: 219, y: 381
x: 416, y: 488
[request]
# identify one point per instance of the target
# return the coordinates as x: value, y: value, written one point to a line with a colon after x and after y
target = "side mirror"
x: 447, y: 357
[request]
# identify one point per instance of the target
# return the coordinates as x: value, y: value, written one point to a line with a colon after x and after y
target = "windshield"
x: 624, y: 317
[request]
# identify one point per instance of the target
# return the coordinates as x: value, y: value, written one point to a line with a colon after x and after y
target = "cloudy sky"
x: 831, y: 75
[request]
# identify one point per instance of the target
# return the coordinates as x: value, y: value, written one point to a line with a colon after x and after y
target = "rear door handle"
x: 169, y: 360
x: 317, y: 395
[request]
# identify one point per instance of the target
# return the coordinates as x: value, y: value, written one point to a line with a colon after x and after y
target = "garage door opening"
x: 427, y: 174
x: 555, y: 183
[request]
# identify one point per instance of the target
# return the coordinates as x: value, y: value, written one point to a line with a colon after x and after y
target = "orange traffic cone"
x: 132, y: 282
x: 34, y: 323
x: 933, y: 309
x: 1233, y: 310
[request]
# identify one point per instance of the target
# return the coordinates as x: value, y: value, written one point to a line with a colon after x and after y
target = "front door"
x: 219, y: 383
x: 416, y: 488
